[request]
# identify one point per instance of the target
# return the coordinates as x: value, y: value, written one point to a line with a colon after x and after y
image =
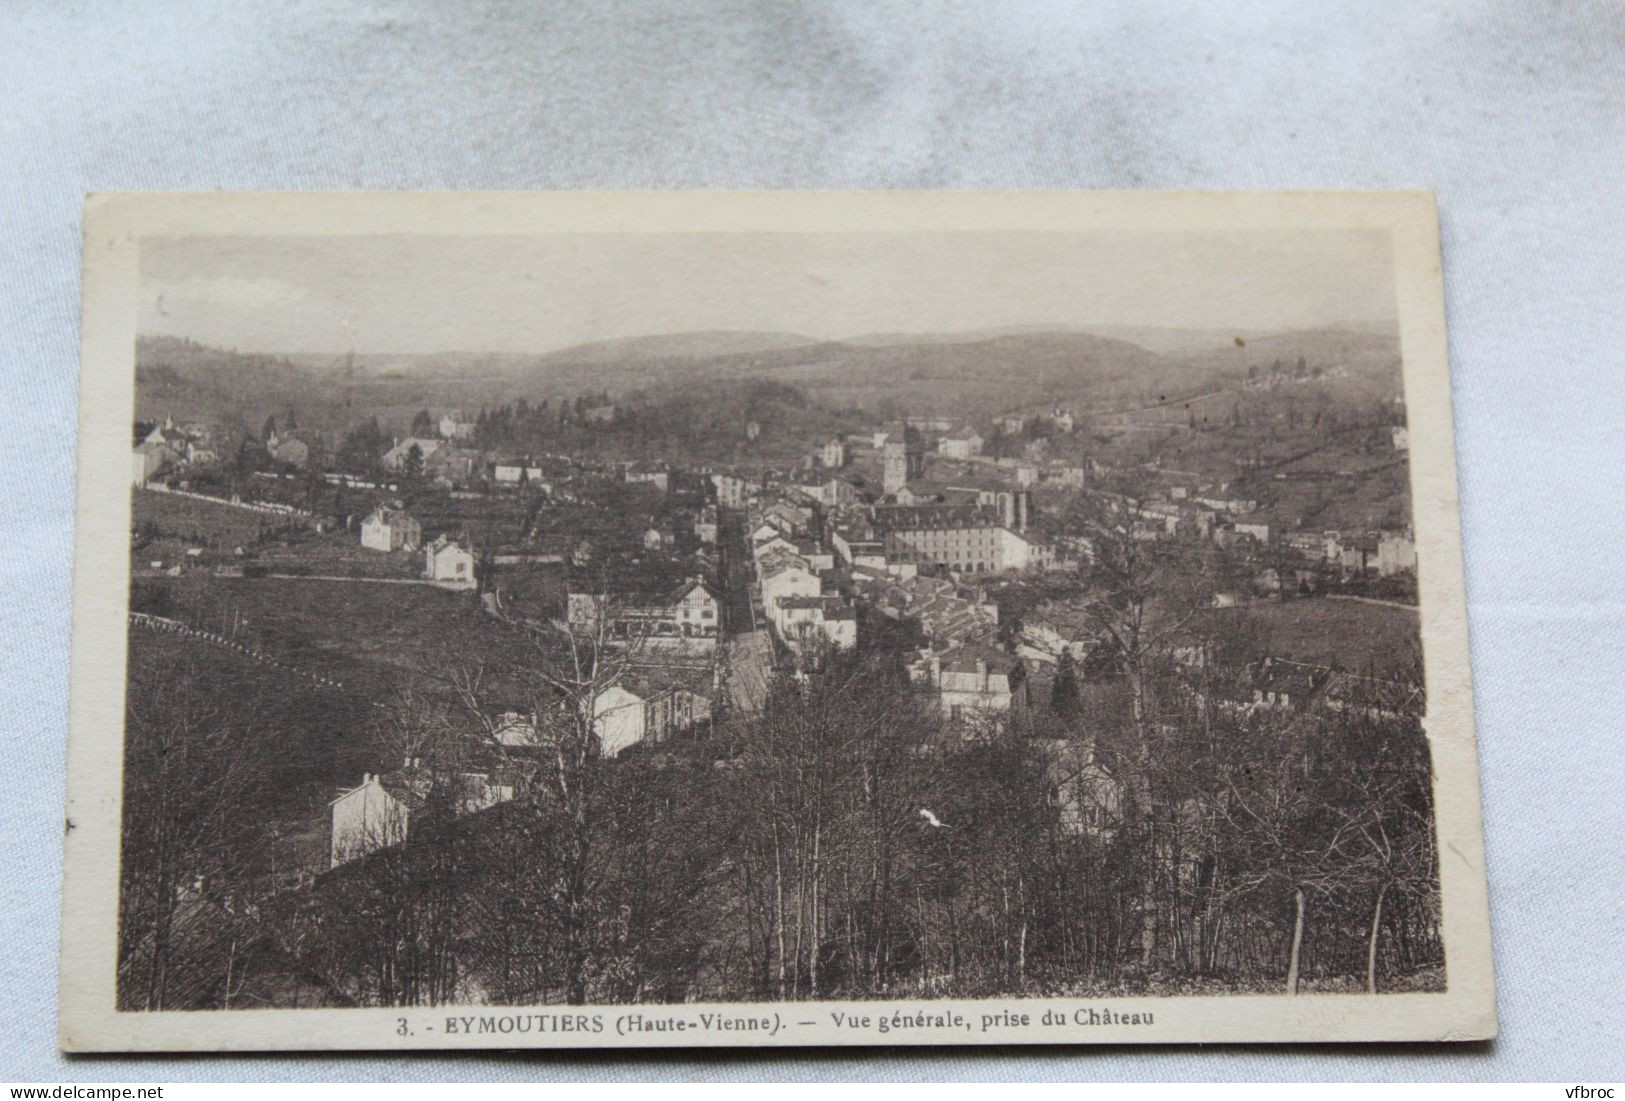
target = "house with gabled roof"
x: 648, y: 707
x: 691, y: 613
x: 962, y: 443
x: 449, y: 562
x: 397, y: 457
x: 152, y: 459
x: 389, y: 527
x: 454, y: 426
x: 974, y: 683
x: 384, y: 808
x: 831, y: 620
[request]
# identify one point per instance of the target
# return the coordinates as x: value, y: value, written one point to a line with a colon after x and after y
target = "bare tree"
x: 188, y: 843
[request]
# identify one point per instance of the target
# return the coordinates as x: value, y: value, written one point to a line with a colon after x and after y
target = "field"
x: 200, y: 522
x: 337, y: 554
x: 369, y: 635
x: 1348, y: 633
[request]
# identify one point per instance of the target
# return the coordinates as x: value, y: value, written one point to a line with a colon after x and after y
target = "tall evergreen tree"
x: 1064, y: 699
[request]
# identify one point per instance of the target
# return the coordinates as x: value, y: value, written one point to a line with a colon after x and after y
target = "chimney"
x: 981, y: 672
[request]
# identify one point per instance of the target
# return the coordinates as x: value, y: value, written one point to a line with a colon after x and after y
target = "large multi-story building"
x: 963, y: 538
x: 732, y: 491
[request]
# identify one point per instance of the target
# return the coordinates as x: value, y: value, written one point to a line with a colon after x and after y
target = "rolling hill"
x: 969, y: 375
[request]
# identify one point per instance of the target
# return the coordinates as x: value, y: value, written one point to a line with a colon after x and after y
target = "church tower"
x: 904, y: 457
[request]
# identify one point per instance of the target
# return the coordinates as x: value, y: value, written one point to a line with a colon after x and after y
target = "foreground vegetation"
x: 843, y: 843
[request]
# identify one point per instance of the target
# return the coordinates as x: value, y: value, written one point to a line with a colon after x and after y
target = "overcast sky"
x: 404, y: 294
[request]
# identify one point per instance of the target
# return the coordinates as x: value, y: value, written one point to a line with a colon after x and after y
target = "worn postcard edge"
x: 115, y: 225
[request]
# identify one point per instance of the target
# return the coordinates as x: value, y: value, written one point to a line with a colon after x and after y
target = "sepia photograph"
x: 561, y: 620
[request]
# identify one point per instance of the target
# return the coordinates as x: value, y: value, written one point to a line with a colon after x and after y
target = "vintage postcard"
x: 607, y: 620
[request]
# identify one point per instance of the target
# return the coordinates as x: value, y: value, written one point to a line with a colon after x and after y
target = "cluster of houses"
x: 1211, y: 513
x: 442, y: 461
x: 830, y: 548
x: 447, y: 560
x: 948, y: 614
x: 1355, y: 553
x: 168, y: 446
x: 642, y: 707
x: 797, y: 579
x: 1279, y: 374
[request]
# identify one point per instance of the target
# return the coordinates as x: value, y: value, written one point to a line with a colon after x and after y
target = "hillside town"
x: 1057, y: 573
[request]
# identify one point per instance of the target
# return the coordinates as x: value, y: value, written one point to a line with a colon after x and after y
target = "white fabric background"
x: 1514, y: 113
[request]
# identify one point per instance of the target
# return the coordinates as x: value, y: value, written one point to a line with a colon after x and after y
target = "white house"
x: 961, y: 443
x: 975, y: 683
x: 1402, y: 438
x: 516, y: 730
x: 802, y: 619
x: 1396, y: 553
x: 376, y: 815
x: 454, y: 427
x: 1024, y: 550
x: 446, y: 561
x: 512, y: 471
x: 697, y: 609
x: 379, y: 813
x: 389, y: 527
x: 785, y: 577
x: 836, y: 492
x: 833, y: 453
x: 731, y: 490
x: 693, y: 613
x: 152, y: 459
x: 636, y: 710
